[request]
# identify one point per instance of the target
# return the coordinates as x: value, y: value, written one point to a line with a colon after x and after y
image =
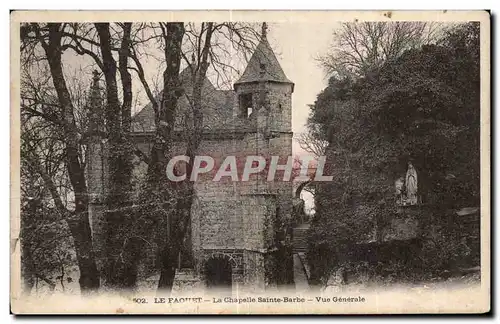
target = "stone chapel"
x: 236, y: 227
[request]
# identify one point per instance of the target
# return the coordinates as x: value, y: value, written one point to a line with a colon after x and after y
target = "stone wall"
x: 236, y: 217
x: 240, y: 215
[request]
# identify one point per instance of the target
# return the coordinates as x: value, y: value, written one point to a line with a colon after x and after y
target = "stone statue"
x: 411, y: 185
x: 399, y: 185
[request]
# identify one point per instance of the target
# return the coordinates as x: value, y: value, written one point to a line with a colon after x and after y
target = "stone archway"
x: 219, y: 272
x: 303, y: 204
x: 301, y: 187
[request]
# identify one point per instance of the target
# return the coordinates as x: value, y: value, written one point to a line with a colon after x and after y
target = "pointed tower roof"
x: 263, y: 66
x: 95, y: 105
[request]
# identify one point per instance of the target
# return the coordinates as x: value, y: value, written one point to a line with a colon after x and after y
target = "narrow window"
x: 246, y: 105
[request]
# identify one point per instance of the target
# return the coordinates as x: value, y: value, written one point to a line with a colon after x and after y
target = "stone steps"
x: 299, y: 241
x: 299, y: 275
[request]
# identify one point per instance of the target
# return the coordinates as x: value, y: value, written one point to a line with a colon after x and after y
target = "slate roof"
x: 263, y: 59
x: 217, y: 106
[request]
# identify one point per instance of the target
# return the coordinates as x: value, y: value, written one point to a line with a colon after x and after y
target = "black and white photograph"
x: 250, y: 162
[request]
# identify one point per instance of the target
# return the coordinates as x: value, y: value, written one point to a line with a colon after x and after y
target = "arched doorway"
x: 218, y: 271
x: 304, y: 203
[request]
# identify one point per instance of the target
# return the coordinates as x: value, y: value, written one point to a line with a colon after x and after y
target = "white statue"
x: 411, y: 185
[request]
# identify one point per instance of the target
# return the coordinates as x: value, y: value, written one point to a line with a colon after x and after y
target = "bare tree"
x: 311, y: 143
x: 207, y: 49
x: 50, y: 37
x: 359, y: 47
x: 121, y: 252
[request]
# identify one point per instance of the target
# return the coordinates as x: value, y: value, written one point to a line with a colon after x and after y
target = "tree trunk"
x: 182, y: 217
x: 185, y: 202
x: 80, y: 230
x: 27, y: 268
x: 172, y: 90
x: 121, y: 265
x: 89, y: 276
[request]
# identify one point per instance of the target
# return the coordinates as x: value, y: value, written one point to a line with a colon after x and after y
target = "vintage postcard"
x: 250, y: 162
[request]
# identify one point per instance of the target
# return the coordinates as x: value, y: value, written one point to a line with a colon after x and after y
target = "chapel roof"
x: 216, y: 104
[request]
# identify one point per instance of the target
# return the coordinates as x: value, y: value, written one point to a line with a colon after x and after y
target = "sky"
x: 297, y: 45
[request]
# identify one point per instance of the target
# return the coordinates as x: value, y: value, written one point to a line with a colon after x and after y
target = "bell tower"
x: 264, y: 111
x: 265, y: 91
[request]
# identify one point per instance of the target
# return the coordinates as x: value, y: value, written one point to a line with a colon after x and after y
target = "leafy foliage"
x: 422, y: 106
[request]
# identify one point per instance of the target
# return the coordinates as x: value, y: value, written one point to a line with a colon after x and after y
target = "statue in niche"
x: 407, y: 187
x: 411, y: 185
